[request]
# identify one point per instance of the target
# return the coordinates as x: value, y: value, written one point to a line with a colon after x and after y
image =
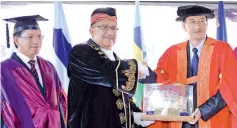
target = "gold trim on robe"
x: 202, y: 80
x: 125, y: 110
x: 122, y: 118
x: 204, y: 67
x: 182, y: 65
x: 116, y: 92
x: 130, y: 73
x: 119, y: 104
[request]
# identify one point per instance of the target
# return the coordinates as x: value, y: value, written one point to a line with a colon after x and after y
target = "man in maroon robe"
x: 31, y: 92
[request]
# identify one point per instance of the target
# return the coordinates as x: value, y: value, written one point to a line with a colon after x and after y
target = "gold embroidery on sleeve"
x: 130, y: 73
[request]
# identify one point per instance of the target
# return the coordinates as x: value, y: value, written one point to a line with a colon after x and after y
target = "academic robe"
x: 96, y: 98
x: 216, y: 82
x: 236, y: 52
x: 24, y: 102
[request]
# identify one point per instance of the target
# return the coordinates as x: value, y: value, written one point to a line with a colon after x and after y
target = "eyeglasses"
x: 200, y: 22
x: 40, y: 37
x: 106, y: 28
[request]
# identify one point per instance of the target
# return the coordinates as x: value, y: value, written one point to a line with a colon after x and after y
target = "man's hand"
x: 145, y: 63
x: 141, y: 75
x: 142, y: 70
x: 138, y: 121
x: 196, y: 116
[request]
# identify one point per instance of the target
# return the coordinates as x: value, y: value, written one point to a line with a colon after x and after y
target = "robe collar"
x: 99, y: 50
x: 209, y: 41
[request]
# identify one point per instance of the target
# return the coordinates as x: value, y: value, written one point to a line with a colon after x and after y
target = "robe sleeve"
x: 149, y: 79
x: 162, y: 66
x: 228, y: 80
x: 94, y: 68
x: 63, y: 100
x: 62, y: 97
x: 8, y: 116
x: 212, y: 106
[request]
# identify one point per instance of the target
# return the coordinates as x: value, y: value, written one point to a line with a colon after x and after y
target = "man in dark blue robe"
x: 101, y: 84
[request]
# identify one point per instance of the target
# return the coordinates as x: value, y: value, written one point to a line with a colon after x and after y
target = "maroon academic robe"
x: 23, y: 105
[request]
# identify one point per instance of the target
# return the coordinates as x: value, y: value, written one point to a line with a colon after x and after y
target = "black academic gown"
x: 95, y: 96
x: 208, y: 109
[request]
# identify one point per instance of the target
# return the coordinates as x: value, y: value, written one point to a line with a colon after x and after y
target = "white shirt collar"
x: 24, y: 58
x: 109, y: 53
x: 199, y: 46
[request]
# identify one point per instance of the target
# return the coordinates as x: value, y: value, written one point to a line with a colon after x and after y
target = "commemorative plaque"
x: 167, y: 102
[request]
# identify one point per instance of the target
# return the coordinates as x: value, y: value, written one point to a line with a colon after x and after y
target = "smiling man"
x: 31, y: 92
x: 208, y: 65
x: 101, y: 84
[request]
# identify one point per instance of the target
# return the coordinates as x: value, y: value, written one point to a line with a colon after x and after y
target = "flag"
x: 221, y: 29
x: 139, y: 52
x: 61, y: 43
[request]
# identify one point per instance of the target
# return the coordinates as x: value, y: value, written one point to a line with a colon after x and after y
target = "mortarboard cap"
x: 103, y: 13
x: 26, y: 22
x: 23, y: 23
x: 193, y: 10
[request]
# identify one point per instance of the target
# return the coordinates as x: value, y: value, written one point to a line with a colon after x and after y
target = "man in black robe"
x: 101, y: 84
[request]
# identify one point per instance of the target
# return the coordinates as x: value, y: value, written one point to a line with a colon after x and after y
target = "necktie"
x: 195, y: 60
x: 34, y: 72
x: 33, y: 69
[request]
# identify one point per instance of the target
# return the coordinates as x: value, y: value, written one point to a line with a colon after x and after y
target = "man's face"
x: 196, y: 27
x: 104, y: 33
x: 29, y: 42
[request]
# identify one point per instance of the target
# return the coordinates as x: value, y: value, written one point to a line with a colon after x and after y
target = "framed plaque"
x: 167, y: 102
